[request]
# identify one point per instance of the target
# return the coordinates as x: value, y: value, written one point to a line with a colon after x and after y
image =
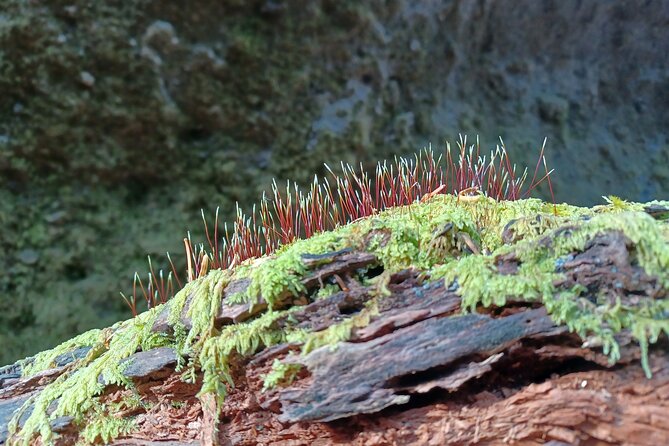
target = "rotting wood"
x: 607, y: 265
x: 208, y: 434
x: 408, y: 305
x: 358, y: 377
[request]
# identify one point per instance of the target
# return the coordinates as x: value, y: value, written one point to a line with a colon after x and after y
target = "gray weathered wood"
x: 362, y: 377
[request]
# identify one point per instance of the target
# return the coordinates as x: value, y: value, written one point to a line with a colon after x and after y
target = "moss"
x: 103, y: 425
x: 340, y: 332
x: 480, y: 283
x: 531, y: 218
x: 282, y: 373
x: 107, y: 428
x: 400, y: 238
x: 326, y: 291
x: 240, y: 339
x: 204, y: 298
x: 76, y: 388
x: 46, y: 360
x: 276, y: 277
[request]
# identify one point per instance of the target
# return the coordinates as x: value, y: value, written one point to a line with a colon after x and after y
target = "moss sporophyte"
x: 452, y: 224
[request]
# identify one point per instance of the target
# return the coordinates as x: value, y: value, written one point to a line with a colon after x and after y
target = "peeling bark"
x: 363, y: 377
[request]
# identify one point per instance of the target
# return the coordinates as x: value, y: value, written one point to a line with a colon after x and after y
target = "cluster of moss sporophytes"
x: 446, y: 236
x: 346, y: 196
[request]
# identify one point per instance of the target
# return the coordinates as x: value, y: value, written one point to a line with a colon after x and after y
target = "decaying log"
x: 367, y: 377
x: 420, y: 372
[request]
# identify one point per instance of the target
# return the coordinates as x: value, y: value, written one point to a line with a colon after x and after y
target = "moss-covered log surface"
x: 446, y: 321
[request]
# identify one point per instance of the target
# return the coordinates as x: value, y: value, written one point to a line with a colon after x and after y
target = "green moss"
x: 75, y: 389
x: 103, y: 425
x: 107, y: 428
x: 282, y: 373
x: 340, y: 332
x: 204, y: 299
x: 411, y: 236
x: 326, y: 291
x: 277, y: 276
x: 240, y: 339
x: 45, y: 360
x: 530, y: 218
x: 480, y: 283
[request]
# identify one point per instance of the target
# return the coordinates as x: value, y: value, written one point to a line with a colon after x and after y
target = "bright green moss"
x: 75, y: 389
x: 283, y: 271
x: 45, y: 360
x: 282, y: 373
x: 326, y: 291
x: 491, y: 217
x: 104, y: 426
x: 480, y: 283
x: 206, y: 295
x: 400, y: 238
x: 617, y: 204
x: 241, y: 339
x: 276, y: 277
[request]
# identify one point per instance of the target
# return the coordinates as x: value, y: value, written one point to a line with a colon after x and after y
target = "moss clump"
x: 282, y: 373
x: 480, y: 283
x: 241, y: 339
x: 46, y: 360
x: 400, y: 238
x: 104, y: 427
x: 75, y: 389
